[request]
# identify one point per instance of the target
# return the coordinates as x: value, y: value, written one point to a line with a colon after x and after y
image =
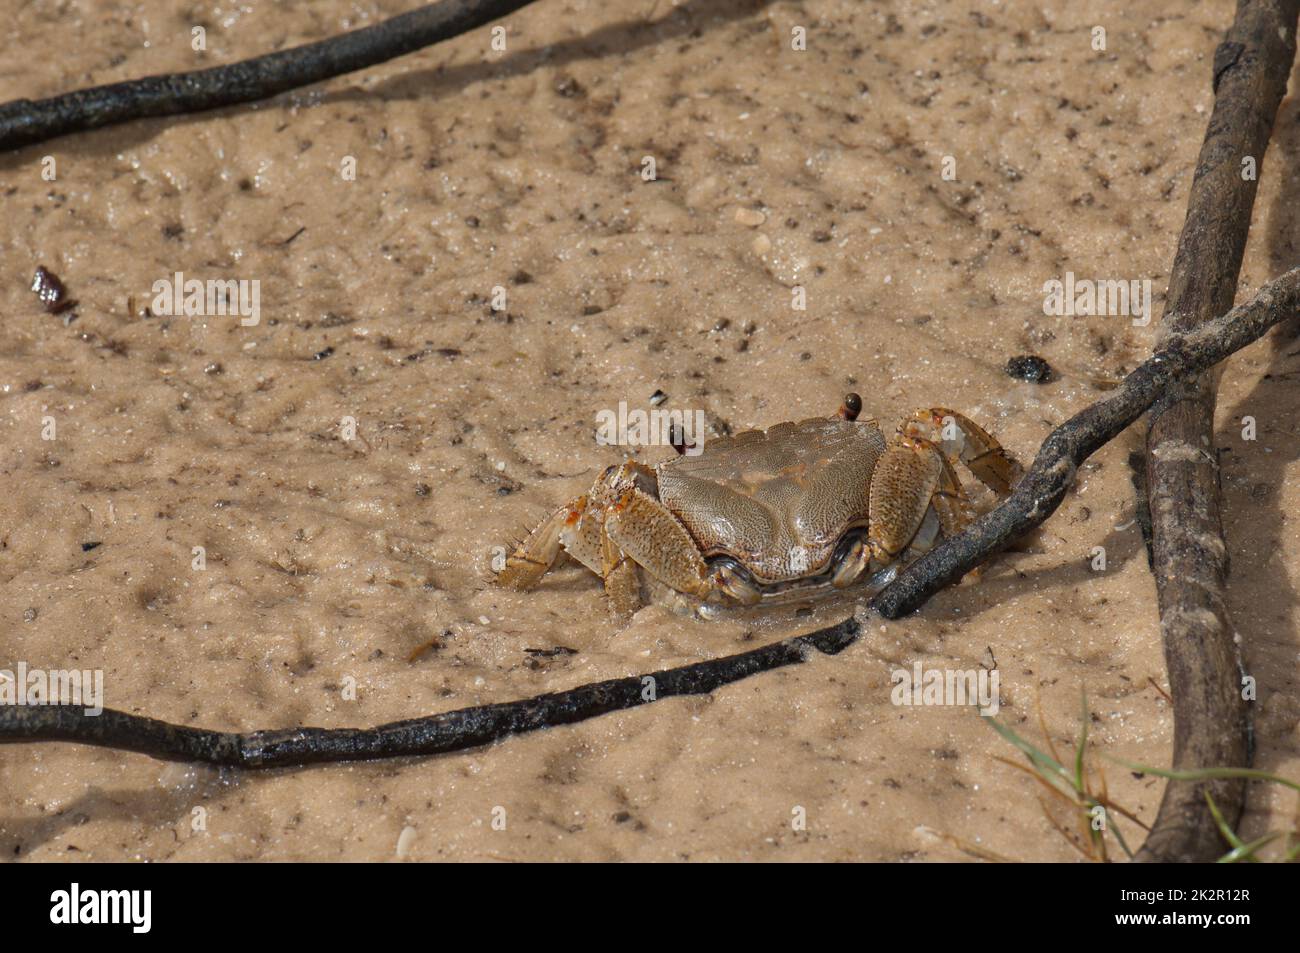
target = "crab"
x: 765, y: 515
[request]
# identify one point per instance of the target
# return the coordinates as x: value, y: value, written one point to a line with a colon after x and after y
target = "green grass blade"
x: 1114, y: 829
x: 1247, y: 851
x: 1080, y: 784
x: 1212, y: 774
x: 1228, y: 833
x: 1051, y: 769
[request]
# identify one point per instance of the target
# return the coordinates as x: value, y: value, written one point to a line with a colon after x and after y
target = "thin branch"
x: 25, y: 122
x: 1212, y: 726
x: 435, y: 734
x: 1034, y: 499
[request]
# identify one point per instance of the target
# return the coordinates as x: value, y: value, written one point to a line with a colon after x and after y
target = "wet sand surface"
x: 334, y: 562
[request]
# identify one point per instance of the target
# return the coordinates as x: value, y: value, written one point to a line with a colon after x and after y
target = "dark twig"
x: 24, y: 121
x: 1190, y: 559
x: 1034, y: 499
x: 436, y: 734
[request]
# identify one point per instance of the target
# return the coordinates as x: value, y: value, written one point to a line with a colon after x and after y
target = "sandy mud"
x: 497, y: 272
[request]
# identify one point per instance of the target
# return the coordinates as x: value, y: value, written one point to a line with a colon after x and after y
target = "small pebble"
x: 48, y: 287
x: 404, y: 841
x: 657, y: 398
x: 1029, y: 367
x: 751, y: 217
x: 568, y: 87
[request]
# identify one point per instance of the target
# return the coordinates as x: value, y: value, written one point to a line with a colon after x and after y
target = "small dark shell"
x: 1030, y: 367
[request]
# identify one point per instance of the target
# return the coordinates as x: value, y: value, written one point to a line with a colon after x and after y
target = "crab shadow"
x: 1003, y: 580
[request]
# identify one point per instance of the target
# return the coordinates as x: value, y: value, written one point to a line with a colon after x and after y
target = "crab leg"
x: 902, y: 484
x: 540, y: 548
x: 978, y: 450
x: 951, y: 504
x: 622, y: 585
x: 648, y: 532
x: 583, y: 535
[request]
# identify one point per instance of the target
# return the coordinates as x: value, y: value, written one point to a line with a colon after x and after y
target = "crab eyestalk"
x: 677, y: 437
x: 851, y: 407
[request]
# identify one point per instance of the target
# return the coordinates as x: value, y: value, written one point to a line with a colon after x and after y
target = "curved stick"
x: 435, y: 734
x: 1035, y: 498
x: 24, y: 121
